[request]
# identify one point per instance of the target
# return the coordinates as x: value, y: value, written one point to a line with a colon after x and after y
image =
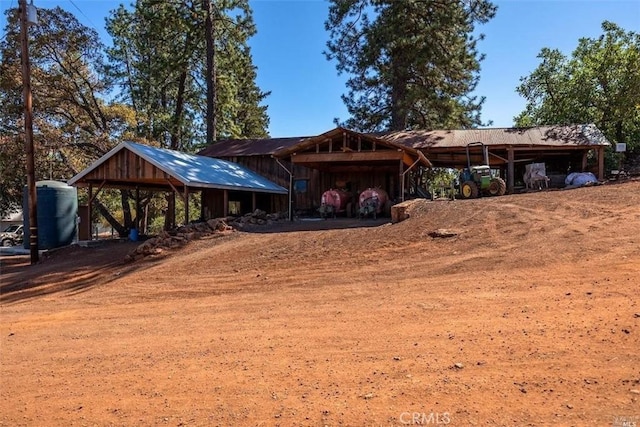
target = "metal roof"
x: 581, y: 135
x: 249, y: 147
x: 555, y: 136
x: 193, y: 170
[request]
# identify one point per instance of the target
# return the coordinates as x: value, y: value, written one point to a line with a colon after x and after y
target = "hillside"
x: 529, y: 315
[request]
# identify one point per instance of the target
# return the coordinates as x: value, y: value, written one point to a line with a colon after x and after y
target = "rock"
x: 458, y: 365
x: 443, y: 233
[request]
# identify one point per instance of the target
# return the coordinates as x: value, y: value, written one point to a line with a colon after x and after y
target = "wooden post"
x: 172, y: 208
x: 186, y: 205
x: 136, y: 223
x: 401, y: 180
x: 225, y: 203
x: 253, y: 201
x: 90, y: 211
x: 28, y: 135
x: 585, y: 156
x: 601, y: 163
x: 510, y: 170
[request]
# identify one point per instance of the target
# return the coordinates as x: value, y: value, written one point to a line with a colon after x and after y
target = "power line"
x: 83, y: 14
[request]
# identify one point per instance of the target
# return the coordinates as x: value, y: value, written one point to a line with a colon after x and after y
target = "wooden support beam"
x: 137, y: 222
x: 498, y: 157
x: 225, y: 203
x: 176, y: 190
x: 91, y: 199
x: 354, y: 156
x: 359, y: 143
x: 510, y: 170
x: 186, y: 205
x: 90, y: 211
x: 601, y: 163
x: 253, y: 202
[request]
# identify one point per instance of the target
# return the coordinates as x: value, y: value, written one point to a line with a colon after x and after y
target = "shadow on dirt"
x: 71, y: 269
x: 314, y: 224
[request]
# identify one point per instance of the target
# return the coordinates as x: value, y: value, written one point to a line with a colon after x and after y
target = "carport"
x: 141, y: 167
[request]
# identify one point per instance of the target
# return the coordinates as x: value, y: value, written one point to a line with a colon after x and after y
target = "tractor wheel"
x: 469, y: 190
x: 497, y: 187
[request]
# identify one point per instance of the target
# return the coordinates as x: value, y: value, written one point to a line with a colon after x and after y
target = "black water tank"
x: 57, y: 212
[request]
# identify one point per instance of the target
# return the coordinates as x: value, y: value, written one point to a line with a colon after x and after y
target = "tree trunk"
x: 399, y: 112
x: 211, y: 72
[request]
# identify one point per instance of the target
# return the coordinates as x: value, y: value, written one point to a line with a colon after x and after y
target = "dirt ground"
x: 530, y: 315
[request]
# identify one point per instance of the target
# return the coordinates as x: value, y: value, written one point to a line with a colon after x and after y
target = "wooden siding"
x: 126, y: 166
x: 353, y: 178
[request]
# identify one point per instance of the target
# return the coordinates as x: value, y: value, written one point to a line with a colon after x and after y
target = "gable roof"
x: 340, y: 131
x: 568, y: 136
x: 191, y: 170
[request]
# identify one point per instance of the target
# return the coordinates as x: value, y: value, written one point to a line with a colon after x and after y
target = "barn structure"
x: 343, y: 158
x: 141, y: 167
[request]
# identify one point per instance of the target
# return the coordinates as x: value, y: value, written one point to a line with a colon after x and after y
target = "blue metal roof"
x: 193, y: 170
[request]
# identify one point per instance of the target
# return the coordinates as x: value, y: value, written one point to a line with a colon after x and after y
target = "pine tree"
x: 413, y: 63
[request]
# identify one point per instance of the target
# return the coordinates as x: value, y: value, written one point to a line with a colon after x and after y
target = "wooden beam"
x: 406, y: 158
x: 225, y: 203
x: 510, y: 170
x: 92, y: 198
x: 186, y: 205
x: 362, y: 156
x: 498, y: 157
x: 601, y: 163
x: 90, y: 211
x: 176, y: 190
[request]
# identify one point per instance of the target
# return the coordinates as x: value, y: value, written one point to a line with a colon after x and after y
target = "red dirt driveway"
x: 528, y: 315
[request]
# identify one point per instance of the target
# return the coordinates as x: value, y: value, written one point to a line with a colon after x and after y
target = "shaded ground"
x: 529, y: 316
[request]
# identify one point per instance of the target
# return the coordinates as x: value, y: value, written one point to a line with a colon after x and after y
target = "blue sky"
x: 305, y: 87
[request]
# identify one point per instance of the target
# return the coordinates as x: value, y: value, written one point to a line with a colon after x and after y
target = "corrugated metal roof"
x: 194, y: 170
x: 249, y: 147
x: 556, y: 136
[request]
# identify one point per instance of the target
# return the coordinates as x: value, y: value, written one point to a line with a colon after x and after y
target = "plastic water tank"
x: 57, y: 212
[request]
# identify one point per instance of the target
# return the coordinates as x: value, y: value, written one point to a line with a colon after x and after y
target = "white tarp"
x: 578, y: 179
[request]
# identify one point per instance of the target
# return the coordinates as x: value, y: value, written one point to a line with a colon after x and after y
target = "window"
x: 300, y: 185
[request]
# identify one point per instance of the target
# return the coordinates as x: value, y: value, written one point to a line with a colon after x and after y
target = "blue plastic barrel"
x: 133, y: 234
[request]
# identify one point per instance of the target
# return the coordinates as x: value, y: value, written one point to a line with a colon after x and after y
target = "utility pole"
x: 28, y: 132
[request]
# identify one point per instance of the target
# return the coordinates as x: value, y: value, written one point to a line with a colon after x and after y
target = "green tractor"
x: 477, y: 180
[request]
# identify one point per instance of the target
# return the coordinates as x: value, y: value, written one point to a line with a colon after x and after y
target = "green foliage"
x: 413, y: 63
x: 72, y: 121
x: 159, y: 60
x: 599, y: 84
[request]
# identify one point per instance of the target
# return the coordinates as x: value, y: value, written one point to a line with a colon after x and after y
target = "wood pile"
x: 213, y: 227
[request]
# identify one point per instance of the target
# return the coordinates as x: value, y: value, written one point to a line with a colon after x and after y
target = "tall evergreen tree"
x: 169, y: 70
x: 413, y: 63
